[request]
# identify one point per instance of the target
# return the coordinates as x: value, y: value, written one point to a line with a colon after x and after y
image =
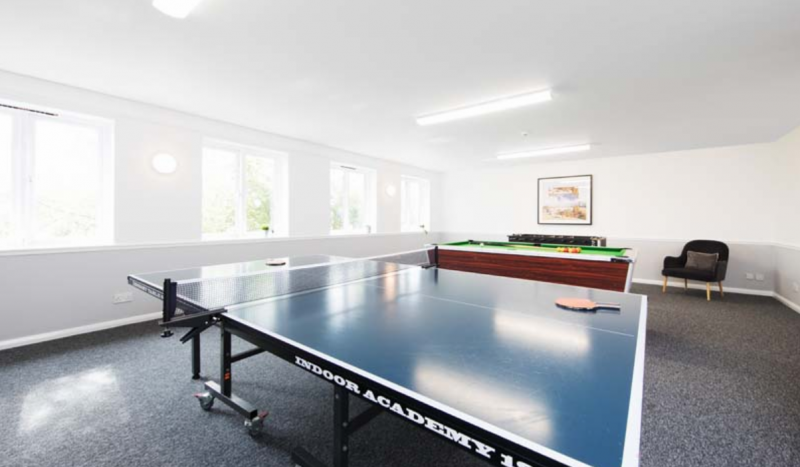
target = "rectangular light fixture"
x: 545, y: 152
x: 176, y: 8
x: 497, y: 105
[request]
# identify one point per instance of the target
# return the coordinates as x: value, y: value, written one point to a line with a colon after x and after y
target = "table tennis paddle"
x: 584, y: 304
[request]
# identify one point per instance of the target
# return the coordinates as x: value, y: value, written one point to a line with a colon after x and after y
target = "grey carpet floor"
x: 722, y: 388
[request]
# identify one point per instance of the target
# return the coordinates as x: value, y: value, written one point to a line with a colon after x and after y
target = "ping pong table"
x: 488, y: 363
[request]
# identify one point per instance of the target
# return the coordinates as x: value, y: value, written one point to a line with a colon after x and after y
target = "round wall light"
x: 391, y: 190
x: 165, y: 163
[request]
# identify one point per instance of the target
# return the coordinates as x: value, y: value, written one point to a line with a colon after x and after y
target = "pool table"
x: 595, y: 267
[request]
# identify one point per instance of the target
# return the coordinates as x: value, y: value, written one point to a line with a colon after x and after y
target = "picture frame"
x: 565, y: 200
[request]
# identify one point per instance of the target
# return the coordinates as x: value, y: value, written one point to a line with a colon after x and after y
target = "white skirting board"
x: 50, y: 336
x: 794, y: 306
x: 762, y: 293
x: 699, y: 286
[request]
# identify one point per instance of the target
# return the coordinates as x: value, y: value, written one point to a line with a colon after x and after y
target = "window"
x: 352, y: 199
x: 415, y: 207
x: 56, y: 178
x: 243, y: 191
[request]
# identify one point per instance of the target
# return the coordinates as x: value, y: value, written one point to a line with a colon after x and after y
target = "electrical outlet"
x: 123, y: 297
x: 749, y: 276
x: 760, y: 277
x: 796, y: 287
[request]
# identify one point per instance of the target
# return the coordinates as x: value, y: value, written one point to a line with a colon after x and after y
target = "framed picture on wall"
x: 565, y: 200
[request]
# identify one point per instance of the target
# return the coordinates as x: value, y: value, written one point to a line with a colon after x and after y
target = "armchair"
x: 675, y: 266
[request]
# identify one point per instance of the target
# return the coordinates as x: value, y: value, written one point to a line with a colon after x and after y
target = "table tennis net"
x: 222, y: 292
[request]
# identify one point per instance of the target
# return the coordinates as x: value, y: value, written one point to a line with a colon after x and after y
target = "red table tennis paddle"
x: 584, y: 304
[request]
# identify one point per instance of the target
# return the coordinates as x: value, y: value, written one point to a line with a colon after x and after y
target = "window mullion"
x: 105, y: 207
x: 27, y: 192
x: 346, y: 203
x: 403, y: 205
x: 241, y: 211
x: 273, y: 211
x: 417, y: 204
x: 370, y: 200
x: 275, y: 188
x: 19, y: 179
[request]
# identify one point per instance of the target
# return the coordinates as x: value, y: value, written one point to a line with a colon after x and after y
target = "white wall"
x: 654, y: 203
x: 45, y: 292
x: 715, y: 193
x: 150, y: 207
x: 787, y: 235
x: 788, y: 199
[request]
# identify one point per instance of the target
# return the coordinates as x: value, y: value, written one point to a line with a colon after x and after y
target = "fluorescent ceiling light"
x: 176, y: 8
x: 545, y: 152
x: 496, y: 105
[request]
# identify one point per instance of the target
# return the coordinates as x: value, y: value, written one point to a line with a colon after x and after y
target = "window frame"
x: 24, y: 118
x: 279, y: 226
x: 371, y: 195
x: 425, y: 208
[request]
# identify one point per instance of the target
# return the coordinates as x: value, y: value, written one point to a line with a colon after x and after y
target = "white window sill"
x: 43, y: 250
x: 54, y: 247
x: 249, y: 236
x: 339, y: 233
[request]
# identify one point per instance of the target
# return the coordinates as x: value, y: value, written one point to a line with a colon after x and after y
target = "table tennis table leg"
x: 225, y: 363
x: 196, y: 357
x: 341, y: 433
x: 223, y: 391
x: 341, y: 418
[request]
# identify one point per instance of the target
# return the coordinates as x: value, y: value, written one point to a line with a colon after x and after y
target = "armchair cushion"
x: 706, y: 262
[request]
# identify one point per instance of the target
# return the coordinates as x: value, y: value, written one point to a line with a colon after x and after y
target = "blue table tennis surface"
x: 492, y: 350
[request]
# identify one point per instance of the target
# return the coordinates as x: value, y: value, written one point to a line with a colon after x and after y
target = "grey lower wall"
x: 788, y: 272
x: 51, y: 292
x: 745, y: 258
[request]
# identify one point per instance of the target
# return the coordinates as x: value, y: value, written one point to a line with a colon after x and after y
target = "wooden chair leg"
x: 686, y: 284
x: 708, y: 291
x: 721, y: 292
x: 664, y: 288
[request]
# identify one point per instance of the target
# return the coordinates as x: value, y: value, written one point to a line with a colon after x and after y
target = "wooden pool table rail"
x: 613, y: 274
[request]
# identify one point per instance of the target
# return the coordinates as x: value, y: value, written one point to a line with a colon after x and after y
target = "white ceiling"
x: 631, y: 76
